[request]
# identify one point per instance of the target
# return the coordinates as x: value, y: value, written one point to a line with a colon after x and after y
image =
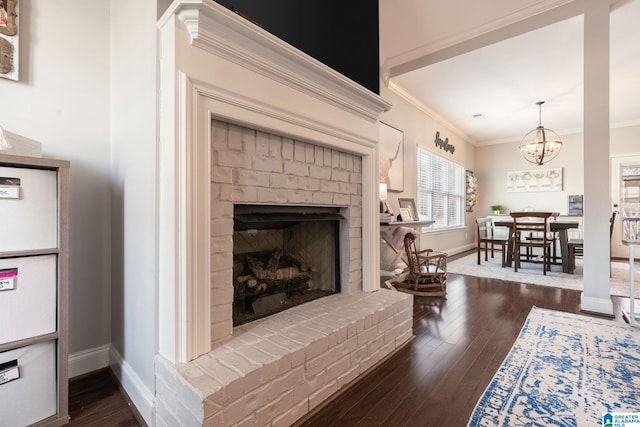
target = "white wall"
x: 625, y: 140
x: 420, y: 128
x: 62, y: 100
x: 134, y: 225
x: 494, y: 161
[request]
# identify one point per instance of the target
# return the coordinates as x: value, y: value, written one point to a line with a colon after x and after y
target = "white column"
x: 596, y: 293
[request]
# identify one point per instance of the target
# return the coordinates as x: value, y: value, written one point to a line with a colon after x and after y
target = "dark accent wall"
x: 341, y: 34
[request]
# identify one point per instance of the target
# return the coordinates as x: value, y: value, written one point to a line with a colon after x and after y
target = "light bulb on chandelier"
x: 541, y: 144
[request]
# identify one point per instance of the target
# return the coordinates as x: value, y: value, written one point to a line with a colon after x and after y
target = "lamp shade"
x: 383, y: 191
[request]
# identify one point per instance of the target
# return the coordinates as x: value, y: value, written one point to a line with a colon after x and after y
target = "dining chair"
x: 575, y: 247
x: 552, y: 237
x: 532, y: 222
x: 488, y: 239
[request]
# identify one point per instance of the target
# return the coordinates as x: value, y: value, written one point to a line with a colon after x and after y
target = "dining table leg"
x: 509, y: 260
x: 564, y: 249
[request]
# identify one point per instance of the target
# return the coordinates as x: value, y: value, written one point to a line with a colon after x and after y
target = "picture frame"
x: 405, y: 214
x: 391, y: 157
x: 410, y: 204
x: 534, y: 180
x: 386, y: 207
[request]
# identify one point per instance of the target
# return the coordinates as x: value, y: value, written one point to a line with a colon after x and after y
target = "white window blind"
x: 440, y: 190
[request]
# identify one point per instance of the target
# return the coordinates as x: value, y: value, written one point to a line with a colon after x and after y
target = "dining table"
x: 555, y: 226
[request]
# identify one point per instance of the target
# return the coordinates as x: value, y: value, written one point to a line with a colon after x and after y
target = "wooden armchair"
x: 427, y: 273
x: 525, y: 223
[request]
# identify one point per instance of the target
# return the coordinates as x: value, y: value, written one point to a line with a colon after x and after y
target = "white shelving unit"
x: 630, y: 212
x: 34, y: 203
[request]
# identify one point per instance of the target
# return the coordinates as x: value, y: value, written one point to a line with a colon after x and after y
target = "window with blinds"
x: 440, y: 194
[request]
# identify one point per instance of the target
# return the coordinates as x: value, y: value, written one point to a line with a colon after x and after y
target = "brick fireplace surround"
x: 298, y: 134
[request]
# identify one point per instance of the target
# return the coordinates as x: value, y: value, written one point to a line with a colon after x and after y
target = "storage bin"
x: 31, y: 397
x: 28, y: 301
x: 30, y: 220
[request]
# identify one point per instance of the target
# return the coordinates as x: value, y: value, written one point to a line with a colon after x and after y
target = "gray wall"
x: 494, y: 161
x: 62, y: 101
x: 87, y: 92
x: 420, y: 129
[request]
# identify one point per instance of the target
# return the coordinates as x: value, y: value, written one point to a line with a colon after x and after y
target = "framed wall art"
x: 409, y: 204
x: 534, y: 180
x: 391, y: 154
x: 9, y: 39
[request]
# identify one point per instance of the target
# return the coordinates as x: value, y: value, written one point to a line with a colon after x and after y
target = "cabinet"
x: 34, y: 203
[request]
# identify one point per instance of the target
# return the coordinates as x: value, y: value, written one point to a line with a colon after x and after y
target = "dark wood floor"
x: 435, y: 380
x: 95, y: 400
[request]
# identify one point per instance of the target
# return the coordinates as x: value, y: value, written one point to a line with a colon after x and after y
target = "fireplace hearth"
x: 283, y: 256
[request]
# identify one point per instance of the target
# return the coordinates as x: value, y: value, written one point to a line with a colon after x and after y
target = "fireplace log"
x: 274, y: 262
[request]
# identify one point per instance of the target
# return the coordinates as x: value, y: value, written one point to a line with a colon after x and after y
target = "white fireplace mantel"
x: 223, y: 33
x: 214, y: 63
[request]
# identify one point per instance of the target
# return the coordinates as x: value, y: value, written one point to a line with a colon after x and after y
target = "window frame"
x: 443, y: 190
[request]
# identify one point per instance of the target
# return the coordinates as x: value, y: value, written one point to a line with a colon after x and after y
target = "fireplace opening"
x: 283, y: 256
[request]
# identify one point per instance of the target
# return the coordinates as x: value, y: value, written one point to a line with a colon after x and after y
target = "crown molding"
x: 429, y: 112
x: 533, y: 16
x: 219, y: 31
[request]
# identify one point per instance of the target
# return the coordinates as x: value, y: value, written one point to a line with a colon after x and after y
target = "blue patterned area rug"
x: 564, y: 370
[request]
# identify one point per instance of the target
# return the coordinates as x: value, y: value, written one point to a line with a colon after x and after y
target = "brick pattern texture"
x: 275, y: 370
x: 253, y: 167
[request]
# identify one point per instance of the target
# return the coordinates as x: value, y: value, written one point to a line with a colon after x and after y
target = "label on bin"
x: 8, y: 279
x: 9, y: 188
x: 9, y: 371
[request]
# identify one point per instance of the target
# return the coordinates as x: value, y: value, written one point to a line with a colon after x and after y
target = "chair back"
x: 425, y: 262
x: 411, y: 253
x: 531, y: 222
x: 484, y: 227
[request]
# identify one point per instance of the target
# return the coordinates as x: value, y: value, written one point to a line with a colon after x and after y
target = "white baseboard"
x: 141, y: 397
x: 90, y: 360
x: 460, y: 249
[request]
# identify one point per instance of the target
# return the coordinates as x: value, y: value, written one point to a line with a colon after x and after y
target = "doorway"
x: 618, y: 250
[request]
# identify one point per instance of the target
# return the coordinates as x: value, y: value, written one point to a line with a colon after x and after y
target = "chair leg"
x: 478, y: 250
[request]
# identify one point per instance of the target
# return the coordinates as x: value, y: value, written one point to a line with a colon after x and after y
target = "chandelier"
x: 541, y: 144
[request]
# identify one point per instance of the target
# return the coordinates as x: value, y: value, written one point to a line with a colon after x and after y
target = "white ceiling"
x: 503, y: 80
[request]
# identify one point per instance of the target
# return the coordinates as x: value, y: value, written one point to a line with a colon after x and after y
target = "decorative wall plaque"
x: 9, y: 39
x: 6, y: 56
x: 8, y: 17
x: 444, y: 143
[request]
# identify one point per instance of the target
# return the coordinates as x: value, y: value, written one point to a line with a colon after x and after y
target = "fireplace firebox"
x: 283, y: 256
